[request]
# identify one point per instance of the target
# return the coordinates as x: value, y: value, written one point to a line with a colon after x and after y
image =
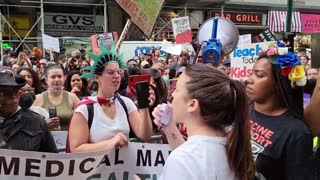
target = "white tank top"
x: 104, y: 128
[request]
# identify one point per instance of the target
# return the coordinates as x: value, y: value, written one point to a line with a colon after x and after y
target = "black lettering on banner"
x: 30, y: 165
x: 125, y: 175
x: 145, y: 159
x: 116, y: 160
x: 159, y: 159
x: 105, y: 160
x: 94, y: 176
x: 112, y: 176
x: 147, y: 176
x: 49, y: 168
x: 71, y: 167
x: 14, y: 164
x: 82, y: 164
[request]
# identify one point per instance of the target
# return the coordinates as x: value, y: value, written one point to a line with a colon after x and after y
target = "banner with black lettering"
x: 243, y: 58
x: 142, y: 159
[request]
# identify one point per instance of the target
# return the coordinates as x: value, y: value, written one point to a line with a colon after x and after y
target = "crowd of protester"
x: 94, y: 100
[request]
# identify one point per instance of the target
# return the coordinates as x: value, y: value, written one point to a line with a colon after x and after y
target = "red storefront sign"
x: 241, y: 18
x: 310, y: 23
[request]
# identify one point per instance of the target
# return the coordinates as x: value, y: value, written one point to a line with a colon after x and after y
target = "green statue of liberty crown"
x: 106, y: 56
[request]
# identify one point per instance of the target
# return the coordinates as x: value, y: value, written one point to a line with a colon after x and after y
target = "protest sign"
x: 145, y: 160
x: 135, y: 48
x: 144, y: 14
x: 243, y: 58
x: 106, y: 38
x: 181, y: 29
x: 264, y: 36
x: 73, y: 43
x: 244, y: 39
x: 60, y: 138
x: 50, y: 43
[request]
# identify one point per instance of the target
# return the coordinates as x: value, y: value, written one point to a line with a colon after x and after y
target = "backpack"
x: 89, y: 103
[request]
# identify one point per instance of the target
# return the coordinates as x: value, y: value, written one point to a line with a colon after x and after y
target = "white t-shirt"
x: 104, y: 128
x: 199, y: 158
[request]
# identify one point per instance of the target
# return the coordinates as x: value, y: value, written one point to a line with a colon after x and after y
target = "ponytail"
x: 238, y: 145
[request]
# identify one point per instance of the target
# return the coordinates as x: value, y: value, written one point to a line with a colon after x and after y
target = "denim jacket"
x: 28, y: 131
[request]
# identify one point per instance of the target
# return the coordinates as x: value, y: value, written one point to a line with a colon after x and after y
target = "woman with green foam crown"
x: 113, y: 115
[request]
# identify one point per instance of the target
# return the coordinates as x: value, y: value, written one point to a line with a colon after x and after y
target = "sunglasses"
x: 112, y: 72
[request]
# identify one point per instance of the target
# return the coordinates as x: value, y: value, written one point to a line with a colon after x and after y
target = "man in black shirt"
x: 20, y: 129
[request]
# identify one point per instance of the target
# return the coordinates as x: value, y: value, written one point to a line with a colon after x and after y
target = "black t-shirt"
x: 282, y: 146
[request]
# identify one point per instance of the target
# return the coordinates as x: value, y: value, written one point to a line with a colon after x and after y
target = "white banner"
x: 50, y: 43
x: 243, y: 58
x: 142, y: 159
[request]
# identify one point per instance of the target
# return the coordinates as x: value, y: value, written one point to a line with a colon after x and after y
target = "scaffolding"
x: 41, y: 3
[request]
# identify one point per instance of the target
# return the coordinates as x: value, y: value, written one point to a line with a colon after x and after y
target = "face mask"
x: 166, y: 79
x: 26, y: 100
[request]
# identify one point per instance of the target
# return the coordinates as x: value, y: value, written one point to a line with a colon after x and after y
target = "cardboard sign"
x: 143, y: 159
x: 106, y: 38
x: 310, y: 23
x: 181, y: 29
x: 144, y: 14
x: 243, y: 58
x: 50, y: 43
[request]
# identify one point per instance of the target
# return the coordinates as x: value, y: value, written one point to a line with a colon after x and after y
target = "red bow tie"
x: 104, y: 101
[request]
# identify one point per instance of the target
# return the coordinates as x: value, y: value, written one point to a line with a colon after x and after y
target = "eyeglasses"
x: 111, y: 72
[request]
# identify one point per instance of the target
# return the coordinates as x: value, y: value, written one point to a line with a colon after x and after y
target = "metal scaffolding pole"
x: 42, y: 27
x: 1, y: 49
x: 65, y: 3
x: 105, y: 14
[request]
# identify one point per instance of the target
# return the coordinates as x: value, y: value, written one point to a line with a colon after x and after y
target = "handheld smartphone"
x: 155, y: 73
x: 52, y: 111
x: 172, y: 73
x: 134, y: 79
x: 168, y: 111
x: 152, y: 72
x: 172, y: 84
x: 142, y: 89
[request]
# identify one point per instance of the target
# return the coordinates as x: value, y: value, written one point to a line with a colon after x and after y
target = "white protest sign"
x: 60, y: 138
x: 50, y: 42
x: 243, y: 58
x: 135, y: 48
x: 145, y: 160
x: 181, y: 29
x: 244, y: 39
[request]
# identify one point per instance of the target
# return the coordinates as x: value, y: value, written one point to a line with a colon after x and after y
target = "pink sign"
x: 310, y: 23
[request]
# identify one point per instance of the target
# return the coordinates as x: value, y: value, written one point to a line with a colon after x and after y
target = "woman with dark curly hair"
x: 32, y: 79
x: 76, y: 85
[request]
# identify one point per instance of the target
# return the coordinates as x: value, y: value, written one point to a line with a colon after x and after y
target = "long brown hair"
x: 223, y: 102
